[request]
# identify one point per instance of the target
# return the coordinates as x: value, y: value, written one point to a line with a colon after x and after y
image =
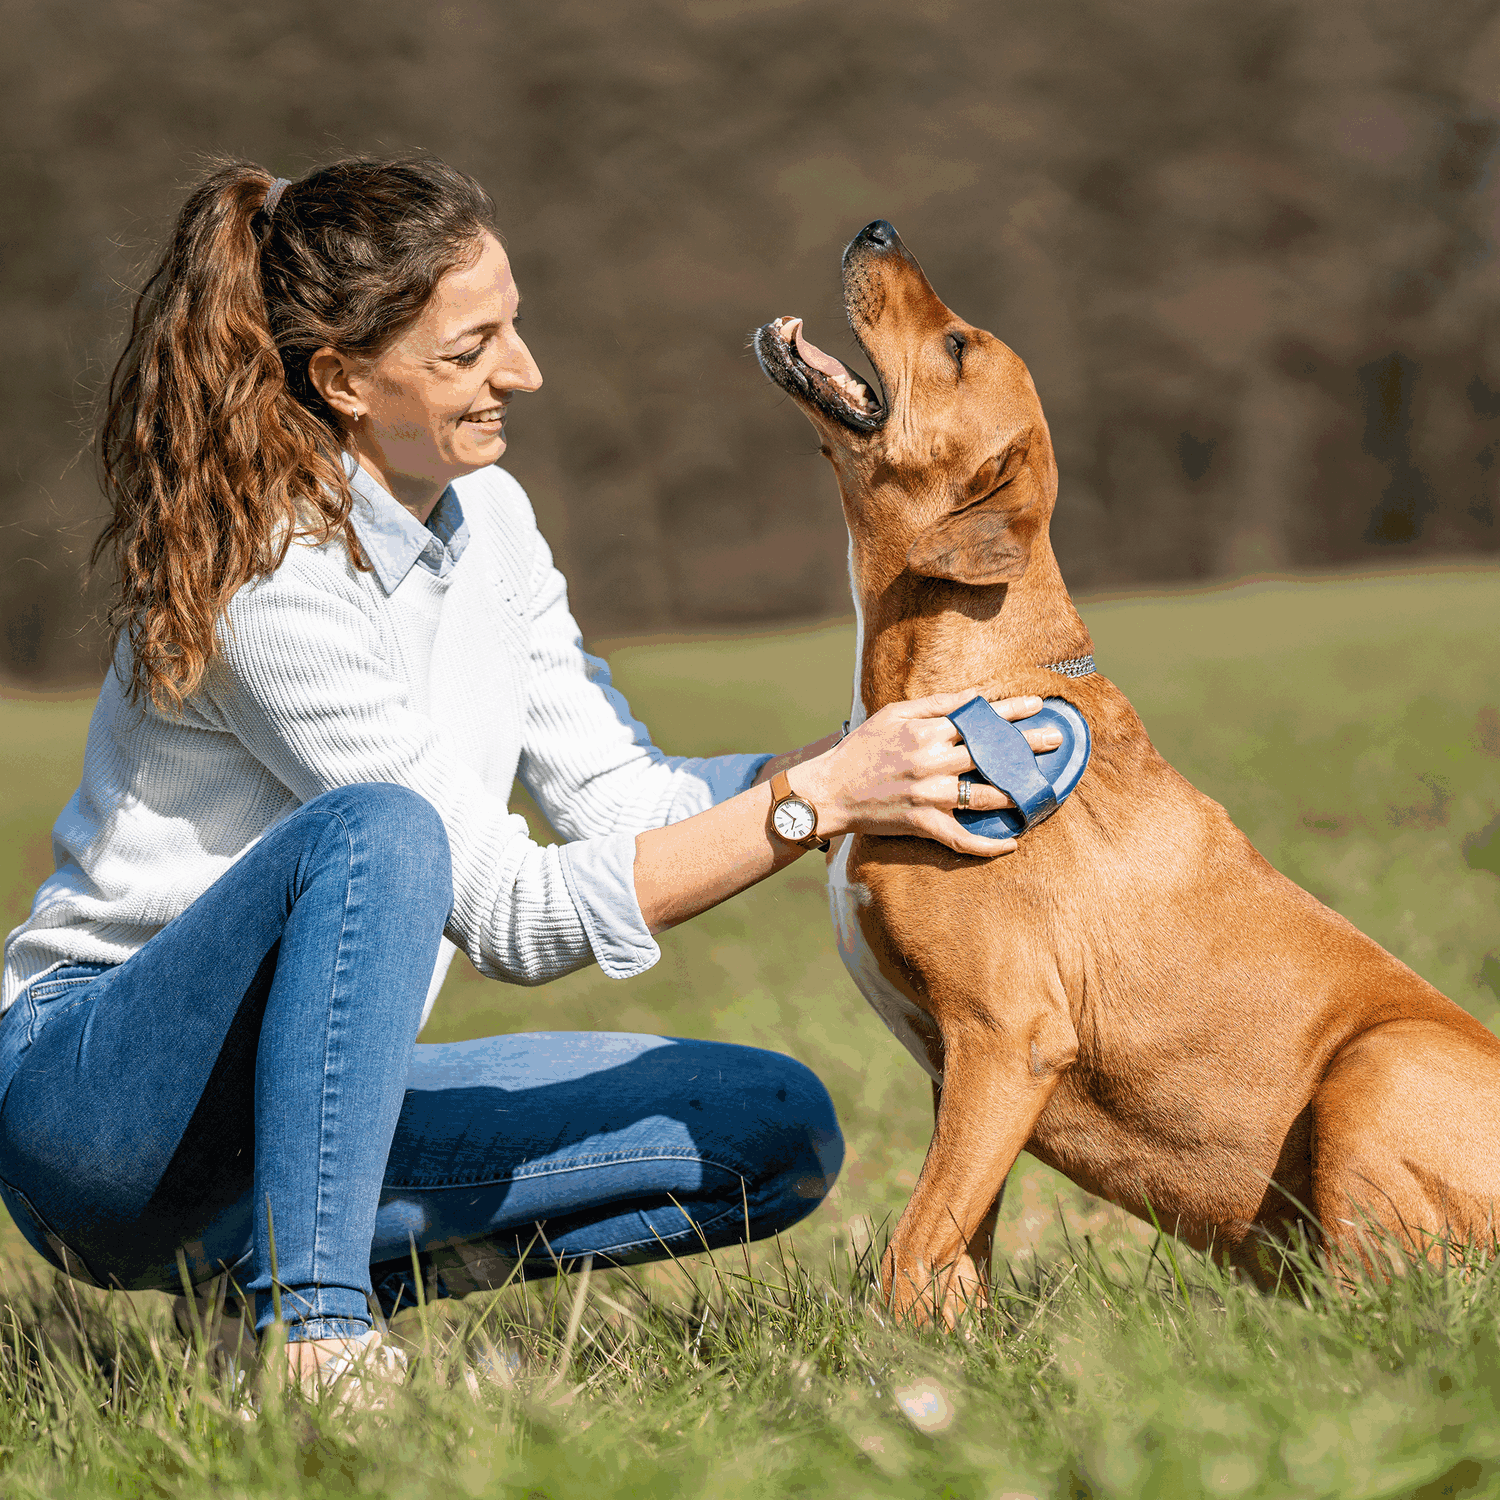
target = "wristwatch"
x: 794, y: 818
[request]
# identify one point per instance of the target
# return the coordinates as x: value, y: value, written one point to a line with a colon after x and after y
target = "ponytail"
x: 215, y: 451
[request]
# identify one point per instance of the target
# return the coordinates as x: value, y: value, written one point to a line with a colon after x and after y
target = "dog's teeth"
x: 844, y: 381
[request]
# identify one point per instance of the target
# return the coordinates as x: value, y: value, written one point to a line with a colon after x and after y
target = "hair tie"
x: 273, y: 197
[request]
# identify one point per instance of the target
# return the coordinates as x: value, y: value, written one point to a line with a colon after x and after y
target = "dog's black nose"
x: 879, y: 233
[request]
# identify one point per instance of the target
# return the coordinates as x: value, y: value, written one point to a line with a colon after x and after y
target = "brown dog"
x: 1135, y: 996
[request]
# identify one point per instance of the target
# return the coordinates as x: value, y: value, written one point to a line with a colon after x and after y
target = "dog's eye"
x: 956, y: 342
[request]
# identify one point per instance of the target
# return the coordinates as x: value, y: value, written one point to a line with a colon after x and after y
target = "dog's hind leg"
x: 1406, y: 1155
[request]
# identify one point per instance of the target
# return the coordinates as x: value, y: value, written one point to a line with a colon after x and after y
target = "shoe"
x: 362, y: 1374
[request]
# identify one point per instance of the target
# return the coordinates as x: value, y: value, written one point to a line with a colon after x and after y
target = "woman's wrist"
x: 816, y: 781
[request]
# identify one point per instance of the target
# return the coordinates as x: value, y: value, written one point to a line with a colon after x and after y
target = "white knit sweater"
x: 449, y: 683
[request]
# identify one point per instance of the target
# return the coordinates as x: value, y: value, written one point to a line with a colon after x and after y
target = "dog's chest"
x: 906, y: 1019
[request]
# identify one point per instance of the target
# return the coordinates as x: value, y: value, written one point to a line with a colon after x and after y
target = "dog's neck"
x: 925, y: 635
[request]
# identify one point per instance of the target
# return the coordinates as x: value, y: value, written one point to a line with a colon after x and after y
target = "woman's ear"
x: 988, y: 539
x: 331, y: 375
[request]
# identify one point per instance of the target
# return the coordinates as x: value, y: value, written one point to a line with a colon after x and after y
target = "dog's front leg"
x: 971, y: 1271
x: 996, y: 1083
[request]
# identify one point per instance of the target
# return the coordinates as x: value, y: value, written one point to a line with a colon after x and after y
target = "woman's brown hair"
x: 216, y: 450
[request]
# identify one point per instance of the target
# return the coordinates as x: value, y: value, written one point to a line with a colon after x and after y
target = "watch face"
x: 794, y: 819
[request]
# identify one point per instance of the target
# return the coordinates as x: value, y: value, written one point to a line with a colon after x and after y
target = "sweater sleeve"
x: 586, y: 759
x: 303, y: 683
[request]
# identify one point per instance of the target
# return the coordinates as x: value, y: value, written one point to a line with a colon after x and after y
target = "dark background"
x: 1247, y: 249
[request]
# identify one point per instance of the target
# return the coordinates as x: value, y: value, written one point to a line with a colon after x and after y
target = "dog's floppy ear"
x: 988, y: 538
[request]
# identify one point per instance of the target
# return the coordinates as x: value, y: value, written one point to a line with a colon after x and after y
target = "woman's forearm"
x: 896, y: 775
x: 687, y: 867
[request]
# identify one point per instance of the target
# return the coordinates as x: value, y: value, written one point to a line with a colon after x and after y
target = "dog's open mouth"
x: 799, y: 366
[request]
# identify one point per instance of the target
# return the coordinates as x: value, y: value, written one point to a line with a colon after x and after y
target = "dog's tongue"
x: 815, y: 356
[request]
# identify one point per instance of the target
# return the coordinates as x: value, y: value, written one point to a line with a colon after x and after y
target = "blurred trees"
x: 1247, y: 251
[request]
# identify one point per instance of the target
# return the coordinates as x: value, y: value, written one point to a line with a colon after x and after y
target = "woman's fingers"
x: 946, y: 829
x: 938, y: 735
x: 982, y: 797
x: 1014, y: 708
x: 1040, y: 740
x: 936, y: 707
x: 954, y: 760
x: 969, y: 843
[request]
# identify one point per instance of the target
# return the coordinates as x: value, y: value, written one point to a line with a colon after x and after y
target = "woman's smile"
x: 490, y: 420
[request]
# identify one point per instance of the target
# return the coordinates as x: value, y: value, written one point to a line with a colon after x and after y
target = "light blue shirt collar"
x: 394, y: 541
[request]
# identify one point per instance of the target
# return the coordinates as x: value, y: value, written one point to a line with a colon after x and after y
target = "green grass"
x: 1352, y: 728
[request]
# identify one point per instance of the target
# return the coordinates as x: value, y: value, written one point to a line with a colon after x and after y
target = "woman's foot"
x: 363, y: 1372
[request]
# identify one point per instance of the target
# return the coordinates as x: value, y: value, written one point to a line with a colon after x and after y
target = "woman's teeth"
x: 494, y: 414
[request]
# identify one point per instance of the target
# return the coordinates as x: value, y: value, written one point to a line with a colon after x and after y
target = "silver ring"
x: 963, y: 795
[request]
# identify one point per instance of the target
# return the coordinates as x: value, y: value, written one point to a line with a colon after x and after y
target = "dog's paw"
x: 918, y: 1294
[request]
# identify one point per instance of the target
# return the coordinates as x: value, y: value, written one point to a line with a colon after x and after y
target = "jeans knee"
x: 404, y: 829
x: 812, y: 1144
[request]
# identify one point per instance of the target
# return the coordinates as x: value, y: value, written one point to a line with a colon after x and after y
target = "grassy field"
x: 1351, y: 727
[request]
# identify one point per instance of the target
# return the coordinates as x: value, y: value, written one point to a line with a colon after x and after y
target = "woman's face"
x: 432, y: 407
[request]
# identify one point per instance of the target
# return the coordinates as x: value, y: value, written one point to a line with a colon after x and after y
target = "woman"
x: 340, y: 638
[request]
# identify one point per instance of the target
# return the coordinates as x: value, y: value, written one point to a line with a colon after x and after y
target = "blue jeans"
x: 248, y: 1086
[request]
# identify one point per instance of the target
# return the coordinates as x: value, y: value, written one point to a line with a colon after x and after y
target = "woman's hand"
x: 897, y: 774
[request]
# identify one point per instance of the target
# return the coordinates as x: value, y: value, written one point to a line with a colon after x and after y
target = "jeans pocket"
x: 40, y: 1235
x: 45, y: 991
x: 46, y: 998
